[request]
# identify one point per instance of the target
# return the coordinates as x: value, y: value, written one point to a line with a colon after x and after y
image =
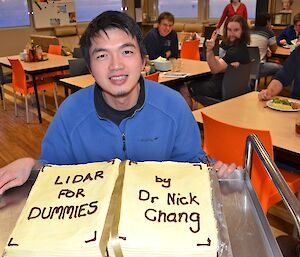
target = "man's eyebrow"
x: 97, y: 50
x: 128, y: 45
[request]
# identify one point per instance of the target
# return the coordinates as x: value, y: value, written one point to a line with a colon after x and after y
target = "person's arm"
x: 152, y: 45
x: 17, y: 173
x: 175, y: 50
x: 273, y: 48
x: 215, y: 63
x: 283, y: 38
x: 273, y: 89
x: 223, y: 17
x: 245, y: 12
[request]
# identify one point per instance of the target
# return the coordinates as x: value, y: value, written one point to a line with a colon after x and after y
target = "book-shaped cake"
x: 145, y: 208
x: 65, y: 212
x: 166, y: 211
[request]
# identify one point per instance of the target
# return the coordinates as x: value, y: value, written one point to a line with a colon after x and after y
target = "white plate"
x: 269, y: 104
x: 174, y: 74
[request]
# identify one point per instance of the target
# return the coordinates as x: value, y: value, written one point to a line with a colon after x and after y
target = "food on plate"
x: 284, y: 104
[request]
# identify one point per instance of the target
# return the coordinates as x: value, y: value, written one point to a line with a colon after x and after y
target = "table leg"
x: 37, y: 99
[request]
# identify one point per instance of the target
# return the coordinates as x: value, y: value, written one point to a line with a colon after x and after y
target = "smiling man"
x: 120, y: 116
x: 232, y: 51
x: 162, y: 41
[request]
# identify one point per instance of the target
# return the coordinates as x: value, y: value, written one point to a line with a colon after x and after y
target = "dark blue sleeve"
x: 174, y: 46
x: 288, y: 34
x: 288, y: 72
x: 151, y: 44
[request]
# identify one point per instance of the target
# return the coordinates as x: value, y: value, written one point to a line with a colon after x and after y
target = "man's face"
x: 165, y: 27
x: 234, y: 31
x: 297, y: 26
x: 116, y: 65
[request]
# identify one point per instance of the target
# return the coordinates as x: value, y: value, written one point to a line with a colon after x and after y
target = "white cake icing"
x: 180, y: 191
x: 66, y: 233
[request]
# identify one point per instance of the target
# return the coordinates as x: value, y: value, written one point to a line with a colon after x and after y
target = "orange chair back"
x: 227, y: 142
x: 190, y: 50
x: 153, y: 76
x: 18, y: 76
x: 54, y: 49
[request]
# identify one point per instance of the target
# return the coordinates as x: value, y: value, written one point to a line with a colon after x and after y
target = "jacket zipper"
x: 124, y: 144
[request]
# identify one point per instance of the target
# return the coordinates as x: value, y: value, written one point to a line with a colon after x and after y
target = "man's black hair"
x: 110, y: 20
x: 262, y: 19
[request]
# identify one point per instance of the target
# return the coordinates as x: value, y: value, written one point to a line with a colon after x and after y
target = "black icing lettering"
x: 193, y: 199
x: 80, y: 192
x: 162, y: 215
x: 81, y: 212
x: 46, y: 215
x: 77, y: 178
x: 57, y: 182
x: 34, y: 213
x: 68, y: 210
x: 171, y: 217
x: 183, y: 215
x: 144, y: 195
x: 87, y: 177
x: 99, y: 174
x: 147, y: 216
x: 93, y: 207
x: 195, y: 217
x: 56, y: 210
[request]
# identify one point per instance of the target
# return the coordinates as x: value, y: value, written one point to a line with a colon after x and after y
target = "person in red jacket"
x: 234, y: 8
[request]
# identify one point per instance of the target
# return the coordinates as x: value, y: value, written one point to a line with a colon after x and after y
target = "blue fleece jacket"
x: 163, y: 129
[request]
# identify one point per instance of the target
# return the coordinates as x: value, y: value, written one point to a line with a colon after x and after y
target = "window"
x: 179, y: 8
x: 86, y: 10
x: 14, y: 13
x: 216, y: 8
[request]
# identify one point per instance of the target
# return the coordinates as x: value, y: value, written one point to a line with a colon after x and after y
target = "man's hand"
x: 224, y: 170
x: 210, y: 43
x: 235, y: 64
x: 168, y: 54
x: 283, y: 42
x: 264, y: 95
x: 15, y: 173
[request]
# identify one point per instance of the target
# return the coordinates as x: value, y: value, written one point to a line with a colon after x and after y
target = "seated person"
x: 284, y: 77
x: 233, y: 51
x: 163, y: 40
x: 264, y: 38
x: 290, y: 33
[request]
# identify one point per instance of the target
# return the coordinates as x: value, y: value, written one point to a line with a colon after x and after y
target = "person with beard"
x: 234, y: 8
x: 233, y: 51
x: 162, y: 41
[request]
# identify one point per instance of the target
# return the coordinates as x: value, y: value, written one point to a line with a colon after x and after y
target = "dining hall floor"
x: 19, y: 139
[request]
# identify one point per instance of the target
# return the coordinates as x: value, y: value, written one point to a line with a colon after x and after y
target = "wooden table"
x: 194, y: 68
x: 248, y: 111
x: 54, y: 63
x: 282, y: 52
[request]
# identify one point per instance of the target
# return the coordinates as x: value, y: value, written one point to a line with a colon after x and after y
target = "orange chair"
x: 24, y: 87
x: 53, y: 49
x: 190, y: 50
x: 226, y: 142
x: 153, y: 76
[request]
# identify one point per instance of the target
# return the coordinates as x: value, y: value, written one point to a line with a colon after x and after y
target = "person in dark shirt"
x: 290, y: 33
x: 162, y: 41
x: 284, y: 77
x: 233, y: 51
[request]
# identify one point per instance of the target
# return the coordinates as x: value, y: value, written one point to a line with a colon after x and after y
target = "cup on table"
x: 297, y: 125
x: 175, y: 64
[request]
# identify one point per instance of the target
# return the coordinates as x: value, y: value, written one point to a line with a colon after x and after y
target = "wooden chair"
x: 226, y: 142
x: 190, y: 50
x: 153, y: 76
x: 24, y: 87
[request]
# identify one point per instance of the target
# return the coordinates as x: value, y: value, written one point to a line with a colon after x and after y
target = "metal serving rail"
x: 249, y: 232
